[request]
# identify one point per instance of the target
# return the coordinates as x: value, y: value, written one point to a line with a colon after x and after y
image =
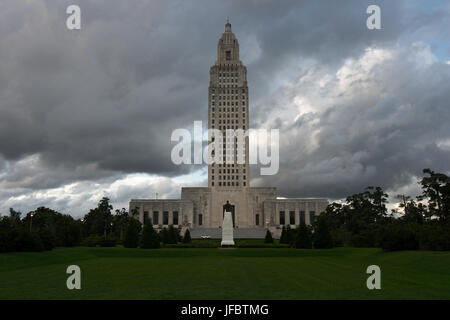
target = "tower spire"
x: 228, y: 25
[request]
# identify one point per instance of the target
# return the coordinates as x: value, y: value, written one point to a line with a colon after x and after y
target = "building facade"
x: 202, y: 209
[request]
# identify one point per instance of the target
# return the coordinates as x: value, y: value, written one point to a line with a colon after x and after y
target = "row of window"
x: 227, y: 80
x: 222, y: 165
x: 229, y: 145
x: 226, y: 139
x: 227, y: 91
x: 230, y: 177
x: 227, y: 127
x: 227, y: 115
x: 232, y: 152
x: 230, y: 159
x: 228, y: 103
x: 228, y: 170
x: 292, y: 217
x: 165, y: 217
x: 229, y: 184
x: 227, y: 74
x: 219, y: 109
x: 226, y: 165
x: 232, y: 121
x: 227, y: 86
x: 228, y: 97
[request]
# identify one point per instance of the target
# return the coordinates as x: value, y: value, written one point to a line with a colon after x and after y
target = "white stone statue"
x: 227, y: 230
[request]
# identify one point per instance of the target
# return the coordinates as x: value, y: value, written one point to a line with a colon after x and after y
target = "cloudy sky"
x: 89, y: 113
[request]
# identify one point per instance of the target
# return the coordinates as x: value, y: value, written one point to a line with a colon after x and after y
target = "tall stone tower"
x: 228, y: 110
x: 253, y: 209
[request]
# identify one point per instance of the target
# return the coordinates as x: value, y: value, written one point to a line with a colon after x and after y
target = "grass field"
x: 119, y: 273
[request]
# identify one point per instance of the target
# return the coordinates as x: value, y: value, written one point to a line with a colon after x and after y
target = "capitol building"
x: 254, y: 209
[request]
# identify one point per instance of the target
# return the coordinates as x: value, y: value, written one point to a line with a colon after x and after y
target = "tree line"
x: 44, y: 229
x: 363, y: 220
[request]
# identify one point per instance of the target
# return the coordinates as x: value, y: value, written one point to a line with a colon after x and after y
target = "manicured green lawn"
x: 119, y: 273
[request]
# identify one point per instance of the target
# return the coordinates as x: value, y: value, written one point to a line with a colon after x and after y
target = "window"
x: 282, y: 217
x: 145, y: 217
x: 257, y: 220
x: 302, y: 216
x: 165, y: 217
x: 200, y: 219
x: 175, y: 218
x: 312, y: 216
x: 155, y: 217
x: 228, y: 55
x: 291, y: 217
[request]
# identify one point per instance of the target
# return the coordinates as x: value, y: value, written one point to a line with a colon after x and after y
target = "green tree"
x: 150, y: 238
x: 164, y: 235
x: 132, y: 232
x: 284, y: 237
x: 173, y: 235
x: 290, y: 235
x: 119, y: 223
x: 413, y: 212
x: 268, y: 238
x: 99, y: 220
x: 303, y: 237
x: 436, y: 189
x: 47, y: 238
x: 322, y: 236
x: 28, y: 241
x: 187, y: 236
x: 14, y: 215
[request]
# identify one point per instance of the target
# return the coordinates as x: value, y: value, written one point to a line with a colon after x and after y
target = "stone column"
x: 297, y: 214
x: 160, y: 214
x: 307, y: 217
x: 141, y: 212
x: 317, y: 208
x: 277, y: 214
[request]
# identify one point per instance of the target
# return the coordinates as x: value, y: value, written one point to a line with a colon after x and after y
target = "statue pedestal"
x: 227, y: 230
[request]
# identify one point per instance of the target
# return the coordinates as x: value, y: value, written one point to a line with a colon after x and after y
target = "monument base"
x: 227, y: 231
x: 227, y: 243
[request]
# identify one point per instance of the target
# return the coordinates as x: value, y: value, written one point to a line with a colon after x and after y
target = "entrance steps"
x: 238, y: 233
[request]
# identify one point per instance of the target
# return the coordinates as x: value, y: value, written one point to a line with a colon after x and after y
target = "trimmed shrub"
x: 132, y: 232
x: 187, y: 236
x: 322, y: 235
x: 173, y: 235
x: 284, y: 237
x: 268, y: 238
x: 290, y: 235
x: 92, y: 241
x: 108, y: 242
x: 303, y: 237
x: 164, y: 236
x: 150, y: 238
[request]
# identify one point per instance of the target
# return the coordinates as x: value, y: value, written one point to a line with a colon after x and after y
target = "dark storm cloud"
x: 379, y: 121
x: 111, y: 93
x: 103, y: 101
